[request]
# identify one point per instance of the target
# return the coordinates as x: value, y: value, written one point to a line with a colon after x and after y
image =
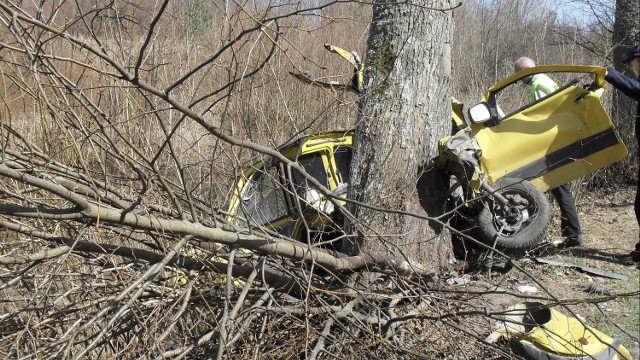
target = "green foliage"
x: 260, y: 13
x: 616, y: 323
x: 383, y: 65
x: 198, y: 17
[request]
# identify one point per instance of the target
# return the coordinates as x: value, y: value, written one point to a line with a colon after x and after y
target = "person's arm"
x: 629, y: 86
x: 540, y: 93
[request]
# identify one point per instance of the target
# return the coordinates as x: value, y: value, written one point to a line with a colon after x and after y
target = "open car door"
x: 553, y: 140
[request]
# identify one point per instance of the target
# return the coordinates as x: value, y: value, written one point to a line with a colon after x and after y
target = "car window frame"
x: 493, y: 164
x: 491, y: 100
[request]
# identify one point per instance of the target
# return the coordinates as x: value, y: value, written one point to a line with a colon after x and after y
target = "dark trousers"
x: 636, y: 204
x: 636, y: 207
x: 569, y: 222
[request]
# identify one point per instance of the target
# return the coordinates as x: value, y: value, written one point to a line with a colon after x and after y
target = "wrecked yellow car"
x: 511, y: 150
x: 501, y: 158
x: 272, y: 196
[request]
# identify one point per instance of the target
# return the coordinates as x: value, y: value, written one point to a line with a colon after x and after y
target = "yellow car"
x: 513, y: 149
x: 501, y: 161
x: 271, y: 196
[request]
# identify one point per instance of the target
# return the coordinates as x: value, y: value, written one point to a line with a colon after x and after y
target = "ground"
x: 611, y: 231
x: 611, y: 306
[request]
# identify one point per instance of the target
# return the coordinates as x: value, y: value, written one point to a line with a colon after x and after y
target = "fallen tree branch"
x: 96, y: 212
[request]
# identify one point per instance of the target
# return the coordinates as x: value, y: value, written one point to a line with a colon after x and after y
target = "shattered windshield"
x: 263, y: 198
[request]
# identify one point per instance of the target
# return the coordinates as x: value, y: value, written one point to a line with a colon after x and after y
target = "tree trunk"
x: 405, y: 110
x: 626, y: 33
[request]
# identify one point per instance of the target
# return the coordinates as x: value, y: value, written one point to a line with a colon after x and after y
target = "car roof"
x: 324, y: 135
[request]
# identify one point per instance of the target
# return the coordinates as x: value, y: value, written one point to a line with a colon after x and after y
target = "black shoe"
x: 631, y: 259
x: 575, y: 241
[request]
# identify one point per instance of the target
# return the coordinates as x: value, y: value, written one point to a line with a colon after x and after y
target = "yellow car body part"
x: 324, y: 145
x: 538, y: 332
x: 565, y: 335
x: 354, y: 59
x: 553, y: 140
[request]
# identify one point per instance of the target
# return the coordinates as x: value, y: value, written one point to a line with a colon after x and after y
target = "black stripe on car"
x: 573, y: 152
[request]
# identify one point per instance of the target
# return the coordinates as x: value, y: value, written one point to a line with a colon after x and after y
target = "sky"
x: 582, y: 11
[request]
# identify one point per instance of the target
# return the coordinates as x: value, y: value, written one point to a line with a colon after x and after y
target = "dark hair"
x: 634, y: 53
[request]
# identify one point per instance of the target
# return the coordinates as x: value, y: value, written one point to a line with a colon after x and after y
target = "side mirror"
x: 480, y: 113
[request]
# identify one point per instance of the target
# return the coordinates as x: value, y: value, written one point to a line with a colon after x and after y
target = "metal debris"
x: 587, y: 269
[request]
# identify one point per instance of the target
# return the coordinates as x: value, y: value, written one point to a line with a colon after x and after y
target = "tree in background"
x: 626, y: 34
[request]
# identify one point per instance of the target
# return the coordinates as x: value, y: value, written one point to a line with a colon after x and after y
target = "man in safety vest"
x: 541, y: 85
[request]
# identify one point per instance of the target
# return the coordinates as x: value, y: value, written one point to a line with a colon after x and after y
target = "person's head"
x: 524, y: 63
x: 634, y: 59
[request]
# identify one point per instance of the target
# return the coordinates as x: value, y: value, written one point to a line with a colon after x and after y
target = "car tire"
x: 518, y: 228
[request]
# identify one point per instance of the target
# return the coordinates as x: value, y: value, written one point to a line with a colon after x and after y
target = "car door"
x: 553, y: 140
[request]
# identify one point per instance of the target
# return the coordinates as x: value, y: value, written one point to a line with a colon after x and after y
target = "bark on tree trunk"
x: 626, y: 33
x: 405, y: 110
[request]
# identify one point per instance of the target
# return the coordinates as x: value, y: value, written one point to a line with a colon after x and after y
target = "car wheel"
x: 518, y: 226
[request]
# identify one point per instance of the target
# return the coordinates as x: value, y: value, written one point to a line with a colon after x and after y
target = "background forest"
x: 124, y: 125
